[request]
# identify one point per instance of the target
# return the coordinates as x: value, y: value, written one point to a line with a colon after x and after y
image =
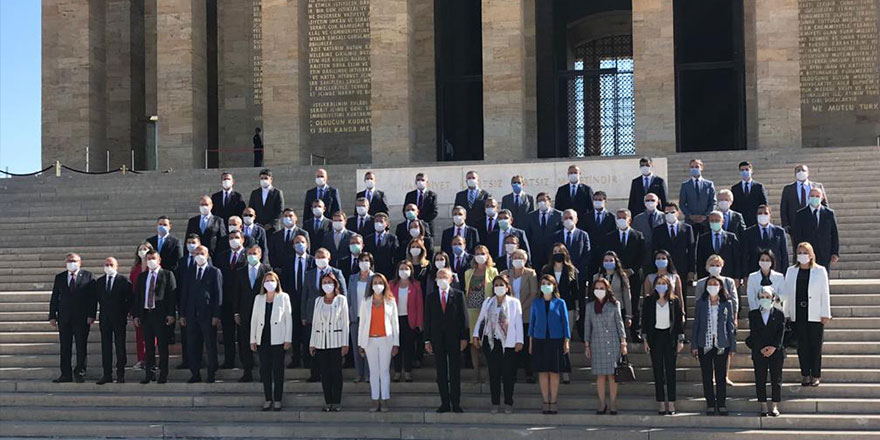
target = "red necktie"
x: 443, y: 301
x: 234, y: 259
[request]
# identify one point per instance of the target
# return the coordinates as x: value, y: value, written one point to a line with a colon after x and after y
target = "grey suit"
x: 605, y: 332
x: 729, y: 286
x: 694, y: 201
x: 643, y: 224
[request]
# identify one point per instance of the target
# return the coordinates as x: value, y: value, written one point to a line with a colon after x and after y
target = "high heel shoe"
x: 603, y: 411
x: 554, y: 409
x: 545, y: 408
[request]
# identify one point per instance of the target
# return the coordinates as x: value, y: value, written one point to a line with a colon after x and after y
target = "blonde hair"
x: 273, y: 276
x: 809, y: 248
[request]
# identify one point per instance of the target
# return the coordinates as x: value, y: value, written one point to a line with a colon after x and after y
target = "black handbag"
x: 624, y: 371
x: 789, y: 338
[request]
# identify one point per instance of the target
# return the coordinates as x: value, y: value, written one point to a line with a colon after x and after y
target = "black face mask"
x: 559, y: 258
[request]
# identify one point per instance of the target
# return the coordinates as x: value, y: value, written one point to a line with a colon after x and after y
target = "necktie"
x: 726, y: 220
x: 299, y: 274
x: 543, y: 220
x: 598, y: 216
x: 72, y: 284
x: 763, y: 234
x: 419, y: 199
x: 247, y: 230
x: 225, y: 195
x: 568, y: 239
x: 647, y: 183
x: 471, y: 196
x: 803, y: 201
x: 443, y: 301
x: 360, y: 223
x: 253, y: 276
x: 458, y: 232
x: 651, y: 216
x: 490, y: 225
x: 697, y: 186
x: 378, y: 239
x: 109, y: 284
x: 317, y: 223
x: 817, y: 219
x: 747, y: 187
x: 623, y: 238
x: 457, y: 264
x: 287, y: 236
x: 189, y: 262
x: 233, y: 260
x: 672, y: 231
x: 320, y: 193
x: 151, y: 294
x: 161, y: 242
x: 370, y: 196
x: 516, y: 199
x: 573, y: 192
x: 201, y: 272
x: 717, y: 241
x: 204, y: 223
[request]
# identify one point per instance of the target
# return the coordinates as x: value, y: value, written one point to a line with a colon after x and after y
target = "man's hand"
x: 287, y: 346
x: 215, y: 322
x: 137, y: 322
x: 312, y: 351
x: 623, y: 350
x: 628, y: 322
x: 464, y: 344
x: 395, y: 349
x: 53, y: 323
x: 363, y: 352
x: 237, y: 319
x: 476, y: 343
x: 587, y: 352
x: 90, y: 321
x: 428, y: 348
x: 835, y: 259
x: 344, y: 350
x: 518, y: 347
x: 645, y: 345
x: 825, y: 320
x: 679, y: 347
x: 182, y: 321
x: 169, y: 320
x: 253, y: 347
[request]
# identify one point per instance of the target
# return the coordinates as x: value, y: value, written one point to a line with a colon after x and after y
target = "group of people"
x: 513, y: 279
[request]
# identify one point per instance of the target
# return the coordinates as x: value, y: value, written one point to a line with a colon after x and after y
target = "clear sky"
x: 20, y: 75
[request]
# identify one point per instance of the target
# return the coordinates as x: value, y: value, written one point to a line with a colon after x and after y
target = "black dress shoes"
x: 443, y: 409
x: 194, y: 379
x: 63, y: 379
x: 104, y: 380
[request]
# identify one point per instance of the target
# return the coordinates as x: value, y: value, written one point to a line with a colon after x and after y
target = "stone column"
x: 124, y: 82
x: 182, y: 83
x: 236, y: 81
x: 424, y: 106
x: 504, y: 80
x: 654, y: 76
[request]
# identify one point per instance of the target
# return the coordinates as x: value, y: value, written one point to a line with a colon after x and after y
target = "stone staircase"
x: 98, y: 216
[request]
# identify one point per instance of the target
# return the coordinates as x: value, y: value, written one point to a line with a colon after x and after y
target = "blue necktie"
x: 252, y: 277
x: 161, y: 242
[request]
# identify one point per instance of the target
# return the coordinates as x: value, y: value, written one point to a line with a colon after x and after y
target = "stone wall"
x: 654, y: 76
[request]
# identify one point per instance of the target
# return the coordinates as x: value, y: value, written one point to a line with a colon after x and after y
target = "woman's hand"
x: 344, y: 350
x: 312, y: 351
x: 286, y: 346
x: 587, y: 352
x: 679, y: 347
x: 395, y: 350
x: 517, y: 348
x: 253, y: 347
x: 648, y: 349
x: 565, y: 347
x: 623, y: 350
x: 476, y: 343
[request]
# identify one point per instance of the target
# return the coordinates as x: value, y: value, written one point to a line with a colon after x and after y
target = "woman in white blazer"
x: 271, y: 330
x: 499, y: 329
x: 379, y: 338
x: 329, y: 340
x: 359, y: 288
x: 808, y: 305
x: 765, y: 276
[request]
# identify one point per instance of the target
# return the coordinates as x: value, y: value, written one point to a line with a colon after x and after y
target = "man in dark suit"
x: 732, y: 221
x: 817, y: 225
x: 168, y: 246
x: 72, y: 312
x: 598, y: 224
x: 293, y: 281
x: 317, y: 226
x: 114, y: 296
x: 250, y: 229
x: 328, y: 195
x: 489, y: 223
x: 228, y: 201
x: 748, y: 195
x: 384, y: 247
x: 228, y: 262
x: 200, y: 309
x: 495, y: 241
x: 722, y: 243
x: 267, y: 201
x: 629, y: 245
x: 510, y: 245
x: 541, y: 225
x: 446, y: 336
x: 187, y: 264
x: 362, y: 223
x: 697, y: 197
x: 460, y: 258
x: 459, y: 228
x: 281, y: 241
x: 576, y: 240
x: 645, y: 223
x: 763, y: 235
x: 574, y: 195
x: 336, y: 240
x: 312, y: 291
x: 647, y: 183
x: 235, y: 225
x: 518, y: 202
x: 678, y: 239
x: 155, y: 305
x: 424, y: 199
x: 402, y: 231
x: 473, y: 199
x: 796, y: 196
x: 211, y: 229
x: 349, y: 264
x: 375, y: 197
x: 248, y: 283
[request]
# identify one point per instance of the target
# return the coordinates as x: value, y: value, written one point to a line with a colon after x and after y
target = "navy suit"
x: 234, y: 205
x: 470, y: 234
x: 733, y: 222
x: 366, y: 227
x: 580, y: 248
x: 153, y: 321
x: 200, y: 302
x: 260, y: 237
x: 822, y: 234
x: 607, y: 224
x: 644, y: 224
x: 541, y: 234
x: 403, y: 239
x: 427, y: 206
x: 699, y: 200
x: 317, y: 232
x: 753, y: 243
x: 526, y: 205
x: 729, y: 251
x: 682, y: 248
x: 385, y: 253
x: 377, y: 201
x: 267, y: 213
x: 213, y: 235
x: 342, y: 251
x: 795, y: 196
x: 637, y: 193
x: 226, y: 266
x: 281, y: 246
x: 463, y: 266
x: 171, y: 252
x: 331, y: 198
x: 496, y: 244
x: 115, y: 305
x: 747, y: 204
x: 293, y: 282
x: 476, y: 212
x: 582, y: 201
x: 72, y: 308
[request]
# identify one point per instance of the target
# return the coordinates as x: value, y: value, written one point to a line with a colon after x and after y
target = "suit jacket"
x: 818, y: 294
x: 748, y: 204
x: 466, y: 260
x: 165, y: 293
x: 223, y: 246
x: 483, y: 229
x: 791, y: 203
x: 766, y: 335
x: 171, y: 252
x: 79, y: 304
x: 312, y: 290
x: 402, y: 233
x: 337, y: 252
x: 377, y: 202
x: 351, y: 224
x: 580, y: 250
x: 115, y: 304
x: 823, y: 236
x: 476, y: 212
x: 243, y: 293
x: 261, y: 239
x: 752, y: 244
x: 316, y: 234
x: 428, y: 208
x: 281, y: 251
x: 471, y: 236
x: 213, y: 235
x: 598, y: 231
x: 332, y: 202
x: 700, y: 201
x: 288, y: 282
x: 446, y: 328
x: 222, y: 262
x: 268, y: 213
x: 528, y: 289
x: 643, y: 224
x: 729, y: 251
x: 570, y: 288
x: 541, y: 238
x: 348, y: 266
x: 632, y: 254
x: 201, y: 299
x: 526, y: 205
x: 637, y: 193
x: 385, y: 254
x: 733, y: 222
x: 582, y: 202
x: 494, y: 241
x: 234, y: 205
x: 682, y: 248
x: 649, y: 318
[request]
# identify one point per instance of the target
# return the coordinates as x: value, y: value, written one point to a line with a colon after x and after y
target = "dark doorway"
x: 709, y: 75
x: 459, y: 72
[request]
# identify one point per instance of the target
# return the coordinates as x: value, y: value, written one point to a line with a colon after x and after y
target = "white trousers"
x: 379, y: 360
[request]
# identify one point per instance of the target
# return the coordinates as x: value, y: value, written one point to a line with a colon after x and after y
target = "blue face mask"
x: 458, y: 250
x: 354, y: 248
x: 517, y: 187
x: 162, y: 230
x: 745, y: 174
x: 695, y: 172
x: 661, y: 264
x: 300, y: 247
x: 609, y: 265
x: 815, y: 201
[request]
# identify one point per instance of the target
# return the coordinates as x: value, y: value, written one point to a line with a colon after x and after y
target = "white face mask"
x: 317, y: 212
x: 248, y: 220
x: 622, y: 224
x: 235, y: 244
x: 519, y: 263
x: 440, y: 264
x: 458, y: 220
x: 264, y: 183
x: 763, y: 219
x: 233, y: 228
x: 510, y: 248
x: 204, y: 209
x: 599, y: 204
x: 379, y: 227
x: 327, y: 287
x: 650, y: 205
x: 542, y: 205
x: 414, y: 232
x: 289, y: 222
x: 270, y: 286
x: 645, y: 170
x: 378, y: 288
x: 568, y: 223
x: 321, y: 262
x: 420, y: 184
x: 338, y: 225
x: 765, y: 265
x: 724, y: 205
x: 472, y: 183
x: 490, y: 212
x: 403, y: 274
x: 110, y: 271
x: 201, y: 260
x: 765, y: 303
x: 319, y: 181
x: 714, y: 270
x: 480, y: 259
x: 152, y: 264
x: 362, y: 210
x: 226, y: 184
x: 500, y: 290
x: 143, y: 253
x: 574, y: 178
x: 442, y: 283
x: 600, y: 294
x: 364, y: 266
x: 803, y: 258
x: 671, y: 217
x: 415, y: 252
x: 802, y: 176
x: 369, y: 183
x: 713, y: 290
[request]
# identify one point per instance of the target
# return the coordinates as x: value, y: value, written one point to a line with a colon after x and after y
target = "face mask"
x: 379, y: 227
x: 714, y: 270
x: 458, y: 250
x: 362, y: 210
x: 270, y: 286
x: 519, y: 263
x: 288, y: 222
x: 253, y: 260
x: 378, y: 288
x: 458, y: 220
x: 765, y: 265
x: 765, y: 303
x: 724, y: 205
x: 328, y: 287
x: 110, y: 271
x: 299, y: 247
x: 746, y: 174
x: 248, y: 220
x: 414, y: 232
x: 504, y: 224
x: 226, y: 184
x: 233, y: 228
x: 472, y: 183
x: 204, y: 210
x: 490, y: 212
x: 713, y: 290
x: 763, y: 219
x: 364, y: 266
x: 153, y: 264
x: 354, y: 248
x: 420, y: 184
x: 803, y: 258
x: 415, y: 252
x: 568, y: 223
x: 815, y: 201
x: 574, y: 178
x: 321, y: 262
x: 319, y: 181
x: 517, y: 187
x: 542, y: 205
x: 410, y: 215
x: 143, y: 253
x: 599, y: 204
x: 547, y: 290
x: 600, y: 294
x: 190, y: 247
x: 671, y: 217
x: 801, y: 176
x: 622, y: 224
x: 661, y: 288
x: 559, y: 258
x: 609, y: 265
x: 440, y: 264
x: 317, y: 212
x: 442, y: 283
x: 201, y: 260
x: 369, y: 183
x: 500, y: 290
x: 651, y: 205
x: 338, y: 225
x: 403, y: 274
x: 235, y: 244
x: 480, y: 259
x: 510, y: 248
x: 661, y: 264
x: 162, y: 229
x: 695, y: 172
x: 264, y: 183
x: 645, y: 170
x: 715, y: 226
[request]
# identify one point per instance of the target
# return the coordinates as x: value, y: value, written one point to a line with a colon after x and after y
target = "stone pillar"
x: 236, y: 81
x: 424, y: 106
x: 654, y: 76
x: 145, y: 156
x: 73, y: 76
x: 391, y: 85
x: 124, y: 82
x: 504, y: 80
x: 182, y: 83
x: 283, y: 70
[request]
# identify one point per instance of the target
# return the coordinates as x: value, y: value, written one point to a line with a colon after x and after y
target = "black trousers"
x: 155, y: 330
x: 227, y: 322
x: 299, y: 347
x: 407, y: 353
x: 309, y: 361
x: 635, y: 291
x: 502, y: 369
x: 330, y: 363
x: 69, y: 330
x: 773, y: 364
x: 184, y: 348
x: 201, y: 335
x: 447, y: 361
x: 244, y: 346
x: 810, y: 335
x: 258, y: 159
x: 113, y: 334
x: 525, y: 359
x: 713, y: 363
x: 663, y: 357
x: 272, y: 371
